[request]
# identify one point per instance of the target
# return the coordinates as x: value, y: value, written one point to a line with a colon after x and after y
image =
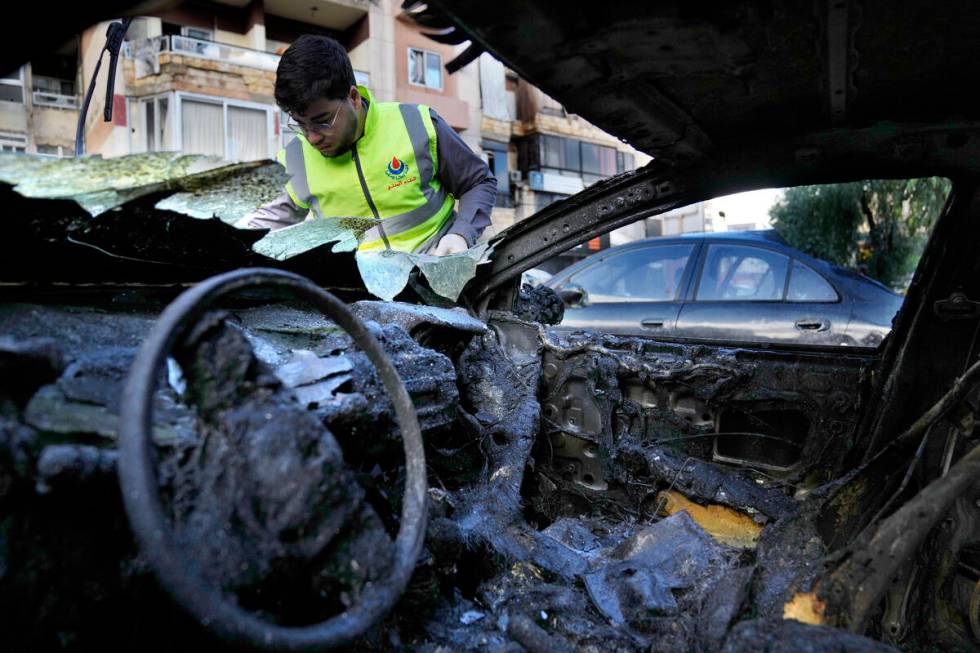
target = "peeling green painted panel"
x: 99, y: 185
x: 69, y: 177
x: 386, y: 272
x: 288, y: 242
x: 448, y: 274
x: 206, y: 187
x: 231, y: 198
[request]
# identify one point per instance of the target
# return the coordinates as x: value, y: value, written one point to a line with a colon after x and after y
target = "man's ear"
x: 355, y: 97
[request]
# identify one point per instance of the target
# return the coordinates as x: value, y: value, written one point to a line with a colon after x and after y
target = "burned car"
x: 247, y: 460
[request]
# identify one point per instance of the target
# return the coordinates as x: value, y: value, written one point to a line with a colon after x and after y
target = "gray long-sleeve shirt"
x: 464, y: 174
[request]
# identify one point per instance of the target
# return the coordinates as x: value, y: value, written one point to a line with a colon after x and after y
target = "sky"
x: 752, y: 206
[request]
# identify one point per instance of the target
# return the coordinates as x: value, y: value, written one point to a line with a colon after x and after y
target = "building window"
x: 424, y: 68
x: 53, y: 151
x: 53, y: 85
x: 227, y: 129
x: 54, y: 92
x: 198, y: 33
x: 598, y: 160
x: 12, y: 87
x: 567, y: 154
x: 624, y: 162
x: 202, y: 128
x: 53, y: 79
x: 247, y: 135
x: 573, y: 154
x: 156, y: 124
x: 13, y: 142
x: 496, y: 156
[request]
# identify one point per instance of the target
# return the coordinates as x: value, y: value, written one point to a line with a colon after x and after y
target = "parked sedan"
x: 745, y: 286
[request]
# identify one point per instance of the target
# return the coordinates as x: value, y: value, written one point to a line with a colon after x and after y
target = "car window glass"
x: 805, y: 285
x: 650, y: 274
x: 740, y: 273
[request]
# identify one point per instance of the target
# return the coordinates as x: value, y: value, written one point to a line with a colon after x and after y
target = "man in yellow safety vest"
x: 352, y: 156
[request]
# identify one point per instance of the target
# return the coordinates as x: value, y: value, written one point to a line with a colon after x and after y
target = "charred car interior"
x: 200, y: 445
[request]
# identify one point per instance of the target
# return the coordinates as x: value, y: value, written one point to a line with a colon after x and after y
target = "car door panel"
x: 739, y: 297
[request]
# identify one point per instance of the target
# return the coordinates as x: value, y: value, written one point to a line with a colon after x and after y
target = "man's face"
x: 341, y: 115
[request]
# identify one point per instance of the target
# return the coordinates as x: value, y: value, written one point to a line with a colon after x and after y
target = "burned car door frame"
x: 827, y: 157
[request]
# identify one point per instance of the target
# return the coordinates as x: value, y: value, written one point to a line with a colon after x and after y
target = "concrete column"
x: 256, y: 25
x: 382, y: 48
x: 468, y: 90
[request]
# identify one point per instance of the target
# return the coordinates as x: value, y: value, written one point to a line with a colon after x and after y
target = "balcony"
x: 145, y: 53
x: 55, y: 100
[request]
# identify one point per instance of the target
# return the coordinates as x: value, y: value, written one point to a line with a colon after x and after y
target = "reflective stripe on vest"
x: 414, y: 207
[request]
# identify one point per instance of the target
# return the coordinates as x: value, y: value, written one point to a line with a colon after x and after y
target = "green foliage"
x: 879, y: 227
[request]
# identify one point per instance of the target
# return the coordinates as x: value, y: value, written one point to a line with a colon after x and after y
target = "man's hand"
x: 450, y: 244
x: 246, y: 223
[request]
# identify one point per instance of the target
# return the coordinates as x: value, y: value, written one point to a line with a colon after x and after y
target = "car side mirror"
x: 574, y: 296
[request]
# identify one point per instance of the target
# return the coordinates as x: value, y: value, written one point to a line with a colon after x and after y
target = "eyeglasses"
x: 305, y: 128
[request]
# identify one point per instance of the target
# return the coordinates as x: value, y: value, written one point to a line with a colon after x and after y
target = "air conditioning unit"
x: 516, y: 176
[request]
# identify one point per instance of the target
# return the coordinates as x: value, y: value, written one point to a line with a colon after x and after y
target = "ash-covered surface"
x: 281, y: 466
x: 539, y: 304
x: 265, y: 499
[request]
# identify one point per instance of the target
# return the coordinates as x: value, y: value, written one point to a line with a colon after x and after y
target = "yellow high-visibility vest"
x: 390, y: 175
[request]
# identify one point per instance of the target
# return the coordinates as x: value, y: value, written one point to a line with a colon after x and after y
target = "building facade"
x: 198, y: 78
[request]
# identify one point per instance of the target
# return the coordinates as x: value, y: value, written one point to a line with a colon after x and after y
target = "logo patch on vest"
x: 397, y: 169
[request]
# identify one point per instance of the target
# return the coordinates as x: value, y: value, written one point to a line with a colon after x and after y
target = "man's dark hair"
x: 313, y: 67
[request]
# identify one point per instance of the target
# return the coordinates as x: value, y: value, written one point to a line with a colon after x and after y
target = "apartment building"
x: 199, y: 77
x: 540, y: 152
x: 39, y: 104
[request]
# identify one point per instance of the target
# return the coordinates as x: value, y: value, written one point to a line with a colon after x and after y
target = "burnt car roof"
x: 678, y: 80
x: 733, y: 98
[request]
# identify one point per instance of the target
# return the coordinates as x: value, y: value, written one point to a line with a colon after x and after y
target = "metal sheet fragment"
x: 448, y: 274
x: 641, y: 573
x: 409, y: 316
x: 229, y: 199
x: 50, y: 410
x: 99, y: 184
x: 291, y: 241
x: 386, y: 272
x: 305, y: 367
x: 318, y: 393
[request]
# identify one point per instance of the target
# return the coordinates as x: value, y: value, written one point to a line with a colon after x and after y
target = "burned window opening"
x: 771, y: 439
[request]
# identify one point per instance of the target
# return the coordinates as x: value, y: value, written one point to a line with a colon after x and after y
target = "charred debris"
x: 581, y: 491
x: 585, y: 492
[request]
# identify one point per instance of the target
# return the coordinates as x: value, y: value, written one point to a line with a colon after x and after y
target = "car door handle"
x: 809, y: 324
x: 652, y: 323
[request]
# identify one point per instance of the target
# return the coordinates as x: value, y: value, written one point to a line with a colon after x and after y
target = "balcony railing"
x: 45, y: 99
x: 205, y: 50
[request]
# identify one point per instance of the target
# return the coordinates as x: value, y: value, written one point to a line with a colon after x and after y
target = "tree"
x: 878, y: 226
